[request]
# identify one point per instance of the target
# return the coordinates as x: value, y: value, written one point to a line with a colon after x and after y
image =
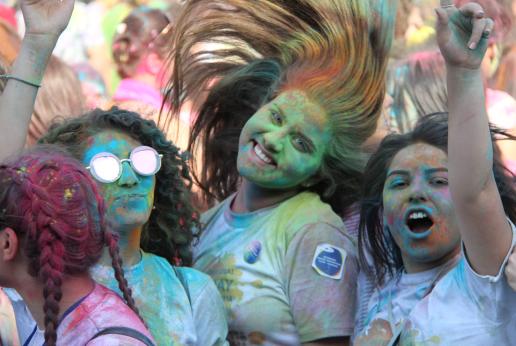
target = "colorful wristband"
x: 7, y: 76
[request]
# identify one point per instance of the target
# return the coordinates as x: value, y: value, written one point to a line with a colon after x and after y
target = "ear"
x: 9, y: 243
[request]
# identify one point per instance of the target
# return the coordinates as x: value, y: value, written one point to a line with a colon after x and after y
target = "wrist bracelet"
x: 7, y: 76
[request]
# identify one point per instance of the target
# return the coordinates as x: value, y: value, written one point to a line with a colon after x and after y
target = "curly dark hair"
x: 433, y: 130
x: 169, y: 230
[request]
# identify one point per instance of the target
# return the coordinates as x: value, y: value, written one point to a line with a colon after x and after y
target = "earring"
x: 153, y: 207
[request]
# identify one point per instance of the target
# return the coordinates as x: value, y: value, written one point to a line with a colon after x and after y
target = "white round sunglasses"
x: 107, y: 167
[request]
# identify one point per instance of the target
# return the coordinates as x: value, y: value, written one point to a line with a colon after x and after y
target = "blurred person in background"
x: 140, y: 48
x: 10, y: 41
x: 505, y: 77
x: 60, y: 96
x: 417, y: 86
x: 93, y: 86
x: 139, y: 51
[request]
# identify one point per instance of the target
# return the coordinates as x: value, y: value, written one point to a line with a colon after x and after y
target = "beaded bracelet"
x: 7, y: 76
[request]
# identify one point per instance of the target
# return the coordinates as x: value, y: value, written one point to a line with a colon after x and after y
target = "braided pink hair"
x: 52, y: 203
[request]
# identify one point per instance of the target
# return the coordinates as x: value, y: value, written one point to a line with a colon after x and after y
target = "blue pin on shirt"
x: 329, y: 261
x: 252, y: 252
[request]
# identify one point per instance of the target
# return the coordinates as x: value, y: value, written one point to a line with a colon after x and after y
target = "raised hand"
x: 46, y: 17
x: 462, y: 34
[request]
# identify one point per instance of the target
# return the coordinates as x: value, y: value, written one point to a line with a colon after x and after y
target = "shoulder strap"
x: 184, y: 282
x: 133, y: 333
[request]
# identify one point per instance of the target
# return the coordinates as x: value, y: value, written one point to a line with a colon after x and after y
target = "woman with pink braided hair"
x: 52, y: 231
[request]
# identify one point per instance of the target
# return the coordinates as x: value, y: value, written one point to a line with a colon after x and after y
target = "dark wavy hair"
x: 373, y: 238
x: 169, y: 230
x: 52, y: 204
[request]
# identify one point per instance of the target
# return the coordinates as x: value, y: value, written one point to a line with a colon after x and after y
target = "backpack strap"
x: 133, y: 333
x: 184, y: 282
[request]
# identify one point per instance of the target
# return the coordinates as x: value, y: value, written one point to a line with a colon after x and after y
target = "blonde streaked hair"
x: 334, y: 51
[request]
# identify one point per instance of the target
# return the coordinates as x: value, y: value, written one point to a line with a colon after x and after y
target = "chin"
x: 129, y: 221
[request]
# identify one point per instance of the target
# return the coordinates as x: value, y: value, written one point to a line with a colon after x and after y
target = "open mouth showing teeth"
x: 419, y: 221
x: 262, y: 155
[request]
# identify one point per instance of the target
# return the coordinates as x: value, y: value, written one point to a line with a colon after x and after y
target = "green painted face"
x: 129, y: 200
x: 282, y: 145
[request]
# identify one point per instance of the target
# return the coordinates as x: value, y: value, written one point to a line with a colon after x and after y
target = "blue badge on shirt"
x: 252, y: 252
x: 329, y: 261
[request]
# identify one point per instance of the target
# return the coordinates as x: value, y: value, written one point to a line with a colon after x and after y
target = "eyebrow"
x: 427, y: 171
x: 436, y: 170
x: 398, y: 172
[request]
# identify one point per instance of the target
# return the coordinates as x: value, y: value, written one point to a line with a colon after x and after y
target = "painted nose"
x: 129, y: 177
x: 273, y: 141
x: 417, y: 195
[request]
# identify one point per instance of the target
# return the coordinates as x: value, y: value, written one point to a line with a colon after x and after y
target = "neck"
x: 73, y: 288
x: 251, y: 197
x: 128, y: 245
x: 412, y: 266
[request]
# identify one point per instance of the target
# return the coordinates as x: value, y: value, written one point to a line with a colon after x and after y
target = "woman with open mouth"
x: 433, y: 195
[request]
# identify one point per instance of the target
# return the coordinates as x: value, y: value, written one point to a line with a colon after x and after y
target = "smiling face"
x: 282, y: 145
x: 129, y: 200
x: 417, y: 207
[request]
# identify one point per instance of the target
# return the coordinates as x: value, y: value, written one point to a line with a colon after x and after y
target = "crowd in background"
x: 115, y: 53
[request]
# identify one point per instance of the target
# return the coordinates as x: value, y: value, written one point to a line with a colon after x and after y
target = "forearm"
x: 470, y: 151
x: 483, y: 226
x: 17, y: 100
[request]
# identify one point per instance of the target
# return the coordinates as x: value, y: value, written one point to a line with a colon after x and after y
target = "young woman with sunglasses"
x: 279, y: 137
x: 52, y: 231
x: 141, y: 177
x: 438, y: 213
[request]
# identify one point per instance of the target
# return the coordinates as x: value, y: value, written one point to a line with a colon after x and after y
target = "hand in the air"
x: 462, y: 34
x: 46, y: 17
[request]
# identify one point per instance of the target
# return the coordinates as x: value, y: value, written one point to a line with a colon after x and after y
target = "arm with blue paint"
x: 45, y: 20
x: 462, y: 35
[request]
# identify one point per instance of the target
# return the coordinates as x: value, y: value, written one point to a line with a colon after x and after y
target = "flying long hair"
x: 333, y: 51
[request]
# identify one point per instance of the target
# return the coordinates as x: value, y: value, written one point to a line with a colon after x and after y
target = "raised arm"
x: 45, y: 20
x: 462, y: 35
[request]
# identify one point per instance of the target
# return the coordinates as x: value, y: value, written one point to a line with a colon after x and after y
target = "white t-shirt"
x: 163, y: 302
x: 100, y: 309
x: 287, y: 274
x: 463, y: 308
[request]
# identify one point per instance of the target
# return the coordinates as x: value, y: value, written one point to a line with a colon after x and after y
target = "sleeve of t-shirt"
x: 321, y: 269
x: 8, y: 331
x: 209, y: 315
x: 494, y: 289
